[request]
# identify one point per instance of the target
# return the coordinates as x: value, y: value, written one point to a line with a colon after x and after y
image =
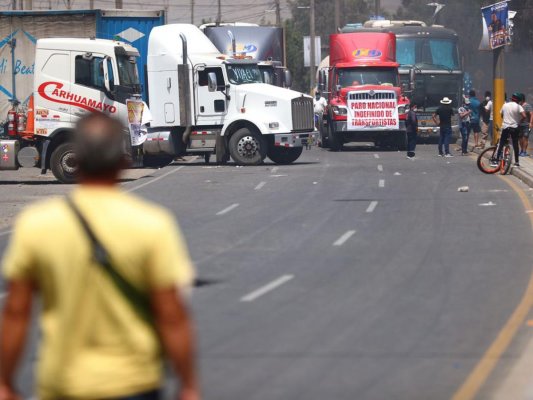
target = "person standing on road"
x: 443, y: 118
x: 513, y: 114
x: 485, y: 119
x: 108, y: 268
x: 490, y: 109
x: 319, y: 104
x: 474, y: 108
x: 464, y: 115
x: 411, y: 128
x: 525, y: 126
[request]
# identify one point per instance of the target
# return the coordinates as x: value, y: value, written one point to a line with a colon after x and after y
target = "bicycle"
x: 488, y: 161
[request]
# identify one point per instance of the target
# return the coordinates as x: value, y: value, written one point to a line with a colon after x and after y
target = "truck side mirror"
x: 412, y: 79
x: 212, y: 84
x: 287, y: 78
x: 322, y: 80
x: 107, y: 83
x: 338, y: 88
x: 266, y: 78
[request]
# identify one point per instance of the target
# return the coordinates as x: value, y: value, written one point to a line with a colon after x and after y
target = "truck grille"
x: 373, y: 96
x: 303, y: 118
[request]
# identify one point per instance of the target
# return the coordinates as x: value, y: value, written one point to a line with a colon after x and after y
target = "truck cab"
x: 72, y: 77
x: 204, y: 102
x: 366, y: 101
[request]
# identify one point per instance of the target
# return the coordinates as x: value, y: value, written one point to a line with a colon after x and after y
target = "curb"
x: 524, y: 176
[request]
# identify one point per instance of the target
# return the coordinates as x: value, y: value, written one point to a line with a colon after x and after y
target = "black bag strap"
x: 138, y: 300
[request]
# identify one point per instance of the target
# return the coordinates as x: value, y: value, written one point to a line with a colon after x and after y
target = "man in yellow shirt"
x: 96, y: 343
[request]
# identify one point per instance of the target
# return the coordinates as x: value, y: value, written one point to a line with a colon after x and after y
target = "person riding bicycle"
x: 513, y: 114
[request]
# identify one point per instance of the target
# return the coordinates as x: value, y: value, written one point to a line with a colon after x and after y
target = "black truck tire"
x: 63, y: 163
x: 284, y: 155
x: 247, y: 147
x: 334, y: 140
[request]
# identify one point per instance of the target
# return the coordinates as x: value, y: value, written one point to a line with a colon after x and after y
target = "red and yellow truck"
x: 366, y: 102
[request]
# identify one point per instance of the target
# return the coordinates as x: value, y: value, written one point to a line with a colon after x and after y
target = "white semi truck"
x: 71, y: 77
x: 204, y: 102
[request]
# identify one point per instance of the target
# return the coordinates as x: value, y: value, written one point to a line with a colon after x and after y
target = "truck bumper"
x: 295, y: 139
x: 370, y: 135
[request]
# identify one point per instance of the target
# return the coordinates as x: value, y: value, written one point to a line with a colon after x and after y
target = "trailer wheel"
x: 63, y: 163
x: 284, y: 155
x: 247, y: 147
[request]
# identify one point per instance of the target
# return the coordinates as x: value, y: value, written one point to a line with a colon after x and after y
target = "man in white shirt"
x: 319, y: 104
x: 513, y: 114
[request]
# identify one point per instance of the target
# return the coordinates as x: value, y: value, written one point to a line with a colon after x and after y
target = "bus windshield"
x: 431, y: 88
x: 426, y: 53
x: 368, y: 76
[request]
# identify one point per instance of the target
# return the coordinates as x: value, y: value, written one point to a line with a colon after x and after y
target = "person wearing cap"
x: 411, y: 128
x: 464, y: 114
x: 443, y: 117
x: 513, y: 114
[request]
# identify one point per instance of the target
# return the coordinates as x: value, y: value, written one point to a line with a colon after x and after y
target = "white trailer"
x: 205, y: 102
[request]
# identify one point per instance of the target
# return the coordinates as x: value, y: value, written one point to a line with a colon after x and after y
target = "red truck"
x: 365, y: 100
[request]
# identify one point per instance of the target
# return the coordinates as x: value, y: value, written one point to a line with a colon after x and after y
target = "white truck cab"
x: 205, y: 102
x: 72, y: 77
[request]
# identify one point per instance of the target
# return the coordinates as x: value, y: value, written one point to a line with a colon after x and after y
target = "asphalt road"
x: 352, y: 275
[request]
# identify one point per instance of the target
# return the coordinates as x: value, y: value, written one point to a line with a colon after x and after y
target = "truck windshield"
x: 368, y: 76
x: 428, y: 53
x: 239, y: 74
x: 127, y: 71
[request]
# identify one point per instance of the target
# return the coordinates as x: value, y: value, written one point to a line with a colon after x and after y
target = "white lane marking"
x: 489, y: 204
x: 380, y: 168
x: 260, y: 185
x: 5, y: 233
x: 376, y: 155
x: 267, y: 288
x: 228, y: 209
x: 154, y: 180
x: 273, y: 171
x: 382, y: 183
x: 372, y: 206
x: 397, y: 174
x: 340, y: 241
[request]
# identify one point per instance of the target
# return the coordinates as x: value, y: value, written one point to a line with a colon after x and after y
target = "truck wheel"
x: 284, y: 155
x: 334, y: 141
x: 323, y: 139
x: 63, y: 163
x: 247, y: 147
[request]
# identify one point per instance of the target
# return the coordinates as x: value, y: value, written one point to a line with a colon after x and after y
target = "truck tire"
x: 334, y: 140
x: 247, y: 147
x: 63, y: 163
x: 323, y: 139
x: 284, y: 155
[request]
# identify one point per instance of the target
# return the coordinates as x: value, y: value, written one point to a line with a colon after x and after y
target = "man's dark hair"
x: 99, y: 146
x: 472, y: 93
x: 488, y: 93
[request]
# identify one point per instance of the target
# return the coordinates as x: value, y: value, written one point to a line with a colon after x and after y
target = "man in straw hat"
x: 443, y: 117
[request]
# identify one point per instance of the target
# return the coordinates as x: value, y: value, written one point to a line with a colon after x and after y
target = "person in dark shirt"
x: 411, y: 128
x: 443, y: 117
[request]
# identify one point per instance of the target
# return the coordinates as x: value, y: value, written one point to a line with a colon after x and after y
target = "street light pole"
x: 337, y: 15
x: 378, y: 7
x: 498, y: 69
x: 312, y: 38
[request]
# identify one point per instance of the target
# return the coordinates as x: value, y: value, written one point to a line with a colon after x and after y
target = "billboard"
x: 496, y: 26
x: 307, y: 51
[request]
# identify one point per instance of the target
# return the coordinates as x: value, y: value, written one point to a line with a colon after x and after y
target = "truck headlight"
x: 273, y: 125
x: 340, y: 110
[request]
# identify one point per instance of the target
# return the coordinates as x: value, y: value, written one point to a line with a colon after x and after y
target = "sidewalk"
x: 524, y: 172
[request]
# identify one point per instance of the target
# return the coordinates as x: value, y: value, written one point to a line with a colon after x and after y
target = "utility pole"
x: 337, y: 15
x: 69, y: 4
x: 118, y: 4
x: 192, y: 12
x: 278, y: 13
x: 14, y: 4
x: 378, y: 8
x: 91, y: 4
x: 219, y: 13
x: 312, y: 38
x: 498, y: 90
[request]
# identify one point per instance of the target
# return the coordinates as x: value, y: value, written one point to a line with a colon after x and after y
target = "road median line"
x: 340, y: 241
x: 267, y: 288
x: 372, y: 206
x: 228, y: 209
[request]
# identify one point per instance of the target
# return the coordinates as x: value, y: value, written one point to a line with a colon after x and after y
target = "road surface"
x: 352, y: 275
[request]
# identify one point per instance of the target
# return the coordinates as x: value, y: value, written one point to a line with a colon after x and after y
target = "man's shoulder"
x: 42, y: 211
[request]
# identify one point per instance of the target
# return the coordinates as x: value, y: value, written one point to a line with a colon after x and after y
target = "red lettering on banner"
x: 70, y: 98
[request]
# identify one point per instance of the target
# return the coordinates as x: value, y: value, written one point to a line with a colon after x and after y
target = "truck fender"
x: 234, y: 125
x: 50, y: 144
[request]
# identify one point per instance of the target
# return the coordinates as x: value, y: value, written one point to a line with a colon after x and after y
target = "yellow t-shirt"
x: 94, y: 344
